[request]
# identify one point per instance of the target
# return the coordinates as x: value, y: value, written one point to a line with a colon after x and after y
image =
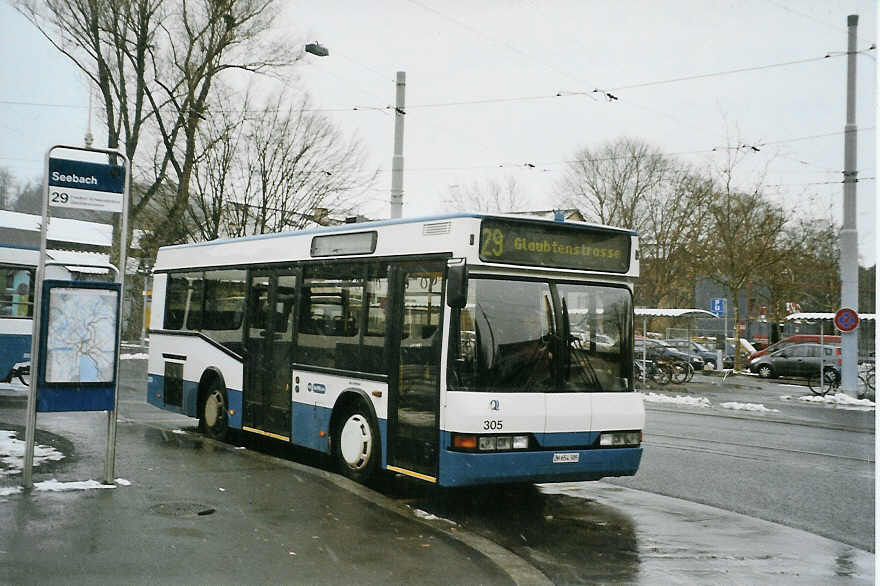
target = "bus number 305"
x: 492, y: 424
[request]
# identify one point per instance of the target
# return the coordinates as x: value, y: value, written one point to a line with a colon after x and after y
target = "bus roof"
x: 421, y: 235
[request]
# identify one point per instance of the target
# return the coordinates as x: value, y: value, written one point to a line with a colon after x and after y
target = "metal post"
x: 31, y: 424
x: 849, y: 243
x: 397, y: 159
x: 110, y: 454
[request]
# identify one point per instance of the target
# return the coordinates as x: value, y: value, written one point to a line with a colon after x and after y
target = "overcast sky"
x: 483, y: 79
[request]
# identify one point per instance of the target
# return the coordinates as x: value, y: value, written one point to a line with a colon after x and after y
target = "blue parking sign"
x: 718, y: 306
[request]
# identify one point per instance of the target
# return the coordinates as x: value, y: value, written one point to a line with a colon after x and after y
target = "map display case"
x: 78, y: 346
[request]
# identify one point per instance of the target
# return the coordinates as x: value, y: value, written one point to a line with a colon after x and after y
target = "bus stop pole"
x: 110, y: 455
x: 31, y: 425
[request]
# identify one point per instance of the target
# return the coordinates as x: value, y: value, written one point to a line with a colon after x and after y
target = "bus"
x: 441, y: 348
x: 18, y: 265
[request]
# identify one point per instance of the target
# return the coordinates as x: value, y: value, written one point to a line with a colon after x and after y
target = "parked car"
x: 696, y: 349
x: 796, y: 360
x: 790, y: 341
x: 658, y: 350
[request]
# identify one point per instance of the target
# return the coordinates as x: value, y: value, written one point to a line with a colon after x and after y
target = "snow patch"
x: 8, y: 490
x: 56, y: 486
x: 748, y: 407
x: 431, y: 517
x: 122, y: 482
x: 840, y: 400
x: 678, y: 400
x: 140, y: 356
x: 12, y: 454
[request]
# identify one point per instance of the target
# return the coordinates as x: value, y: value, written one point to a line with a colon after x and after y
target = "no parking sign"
x: 846, y: 319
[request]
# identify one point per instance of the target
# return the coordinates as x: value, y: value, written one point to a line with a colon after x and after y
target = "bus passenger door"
x: 269, y: 346
x: 414, y: 377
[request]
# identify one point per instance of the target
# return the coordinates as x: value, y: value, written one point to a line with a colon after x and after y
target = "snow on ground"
x: 14, y: 386
x: 56, y: 486
x: 841, y: 401
x: 430, y: 516
x: 704, y: 402
x: 748, y: 407
x: 678, y: 400
x: 12, y: 454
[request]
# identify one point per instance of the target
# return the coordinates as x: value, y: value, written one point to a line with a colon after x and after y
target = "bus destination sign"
x: 564, y: 246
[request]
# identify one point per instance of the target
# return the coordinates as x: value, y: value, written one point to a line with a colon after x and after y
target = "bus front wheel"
x: 356, y: 444
x: 213, y: 416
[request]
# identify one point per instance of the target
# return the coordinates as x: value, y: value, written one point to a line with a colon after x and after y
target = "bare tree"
x: 487, y: 196
x: 615, y: 183
x: 746, y: 229
x: 216, y: 175
x: 155, y: 63
x: 268, y: 170
x: 7, y: 185
x: 628, y: 183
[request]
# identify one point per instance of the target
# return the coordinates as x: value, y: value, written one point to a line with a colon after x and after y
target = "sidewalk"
x: 201, y: 512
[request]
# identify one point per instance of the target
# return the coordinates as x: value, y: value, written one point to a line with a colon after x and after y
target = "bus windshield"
x: 541, y: 336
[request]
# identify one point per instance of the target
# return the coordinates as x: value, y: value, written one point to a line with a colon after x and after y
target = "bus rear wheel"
x: 356, y: 444
x: 213, y: 416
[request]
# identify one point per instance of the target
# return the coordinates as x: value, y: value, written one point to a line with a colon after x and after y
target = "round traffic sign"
x: 846, y: 319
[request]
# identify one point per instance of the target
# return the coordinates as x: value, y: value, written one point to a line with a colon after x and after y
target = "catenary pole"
x: 397, y: 159
x: 849, y: 246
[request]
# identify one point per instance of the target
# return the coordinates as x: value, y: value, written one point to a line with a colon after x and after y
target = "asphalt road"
x: 574, y: 533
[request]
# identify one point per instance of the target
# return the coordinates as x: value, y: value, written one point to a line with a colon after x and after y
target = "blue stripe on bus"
x: 309, y: 421
x: 565, y: 440
x: 13, y: 348
x: 461, y: 468
x: 190, y: 408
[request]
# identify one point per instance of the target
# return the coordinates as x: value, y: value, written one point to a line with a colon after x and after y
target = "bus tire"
x: 213, y: 411
x: 356, y: 444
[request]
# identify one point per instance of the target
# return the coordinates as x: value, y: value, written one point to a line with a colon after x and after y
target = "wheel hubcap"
x: 213, y: 408
x: 356, y: 442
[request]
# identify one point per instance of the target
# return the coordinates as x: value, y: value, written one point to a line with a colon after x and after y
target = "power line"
x: 782, y: 6
x: 40, y: 104
x: 721, y: 73
x: 859, y: 180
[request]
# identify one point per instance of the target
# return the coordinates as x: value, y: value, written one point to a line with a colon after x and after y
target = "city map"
x: 81, y: 340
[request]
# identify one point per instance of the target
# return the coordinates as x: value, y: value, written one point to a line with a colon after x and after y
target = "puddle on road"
x: 571, y: 540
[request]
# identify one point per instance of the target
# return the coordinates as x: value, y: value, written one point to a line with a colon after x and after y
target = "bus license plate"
x: 565, y: 457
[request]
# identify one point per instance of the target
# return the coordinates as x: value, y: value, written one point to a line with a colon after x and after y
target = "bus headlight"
x: 620, y: 439
x: 487, y: 443
x: 520, y: 442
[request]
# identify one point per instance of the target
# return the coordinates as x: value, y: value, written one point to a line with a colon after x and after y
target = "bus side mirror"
x: 456, y: 283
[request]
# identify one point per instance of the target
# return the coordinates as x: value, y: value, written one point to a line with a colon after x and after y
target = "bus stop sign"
x: 846, y: 319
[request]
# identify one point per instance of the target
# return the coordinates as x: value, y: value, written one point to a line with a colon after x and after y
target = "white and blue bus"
x: 460, y: 350
x: 18, y: 265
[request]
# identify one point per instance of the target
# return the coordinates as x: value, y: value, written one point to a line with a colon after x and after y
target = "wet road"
x: 818, y: 479
x: 581, y: 532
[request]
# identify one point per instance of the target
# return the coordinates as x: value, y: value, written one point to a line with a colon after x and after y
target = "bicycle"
x: 830, y: 382
x: 23, y: 373
x: 682, y: 372
x: 866, y: 380
x: 651, y: 370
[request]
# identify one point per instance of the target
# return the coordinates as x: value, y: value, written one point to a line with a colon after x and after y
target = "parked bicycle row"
x: 663, y: 372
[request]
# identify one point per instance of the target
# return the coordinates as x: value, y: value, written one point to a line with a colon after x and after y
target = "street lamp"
x: 318, y: 49
x: 399, y: 110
